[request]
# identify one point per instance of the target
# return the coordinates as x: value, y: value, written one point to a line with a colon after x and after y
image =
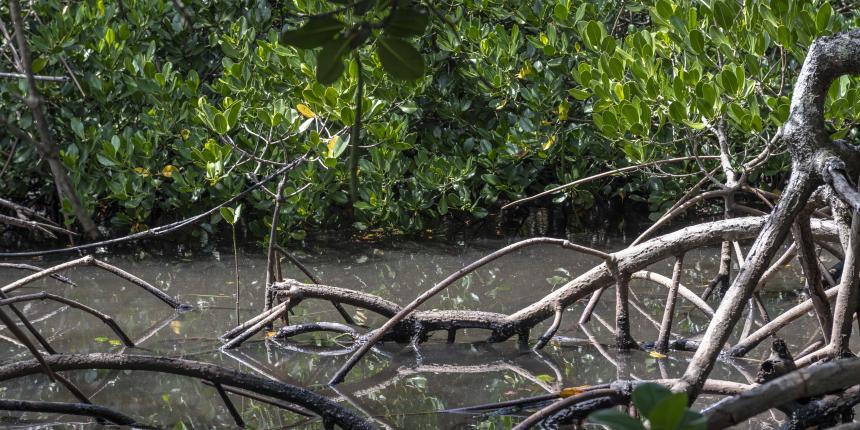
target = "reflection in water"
x: 397, y: 386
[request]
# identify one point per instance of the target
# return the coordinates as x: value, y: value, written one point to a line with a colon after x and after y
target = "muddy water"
x: 398, y: 387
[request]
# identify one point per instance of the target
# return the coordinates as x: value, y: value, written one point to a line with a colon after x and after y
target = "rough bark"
x: 328, y: 410
x: 813, y: 154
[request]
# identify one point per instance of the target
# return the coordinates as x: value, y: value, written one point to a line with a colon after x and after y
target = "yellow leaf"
x: 549, y: 143
x: 655, y: 354
x: 271, y: 333
x: 331, y: 145
x: 141, y: 171
x: 168, y: 170
x: 525, y: 71
x: 176, y: 326
x: 305, y: 111
x: 563, y: 110
x: 185, y: 133
x: 572, y: 391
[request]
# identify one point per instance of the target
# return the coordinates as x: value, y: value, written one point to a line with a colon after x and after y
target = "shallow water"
x: 408, y: 388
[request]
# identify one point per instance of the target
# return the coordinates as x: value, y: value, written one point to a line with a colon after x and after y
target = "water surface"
x: 398, y: 387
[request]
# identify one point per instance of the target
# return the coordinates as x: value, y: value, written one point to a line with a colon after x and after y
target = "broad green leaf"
x: 593, y: 33
x: 407, y: 21
x: 646, y: 396
x: 232, y: 114
x: 677, y: 112
x: 400, y: 59
x: 335, y: 147
x: 668, y: 413
x: 697, y: 41
x: 330, y: 60
x: 723, y: 14
x: 220, y: 123
x: 110, y: 36
x: 39, y: 64
x: 822, y: 18
x: 578, y: 94
x: 227, y: 214
x: 78, y: 127
x: 315, y: 33
x: 615, y: 420
x: 664, y: 9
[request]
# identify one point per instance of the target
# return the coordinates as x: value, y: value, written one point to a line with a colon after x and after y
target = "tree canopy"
x: 162, y: 108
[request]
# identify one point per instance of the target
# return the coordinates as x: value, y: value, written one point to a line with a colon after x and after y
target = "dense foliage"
x: 492, y: 101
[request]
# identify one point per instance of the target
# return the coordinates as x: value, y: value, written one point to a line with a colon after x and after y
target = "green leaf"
x: 593, y: 33
x: 615, y: 420
x: 315, y: 33
x: 647, y: 396
x: 400, y: 59
x: 578, y: 94
x: 723, y: 14
x: 330, y: 60
x: 110, y: 36
x: 664, y: 9
x: 227, y: 214
x: 677, y: 112
x: 232, y: 114
x: 822, y: 18
x: 220, y: 123
x: 407, y: 22
x: 668, y: 413
x: 78, y: 127
x: 697, y: 41
x: 39, y: 64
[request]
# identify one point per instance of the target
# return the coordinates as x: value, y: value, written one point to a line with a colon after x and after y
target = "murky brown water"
x: 406, y: 390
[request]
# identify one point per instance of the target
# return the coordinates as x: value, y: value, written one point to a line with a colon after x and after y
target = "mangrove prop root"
x: 502, y: 327
x: 803, y: 383
x: 83, y: 409
x: 91, y: 261
x: 816, y: 160
x: 319, y: 405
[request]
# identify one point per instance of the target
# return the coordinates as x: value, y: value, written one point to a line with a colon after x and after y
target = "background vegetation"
x: 496, y: 101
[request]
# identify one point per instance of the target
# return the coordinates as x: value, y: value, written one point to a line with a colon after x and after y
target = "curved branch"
x: 403, y: 313
x: 328, y: 410
x: 90, y: 261
x: 84, y: 409
x: 807, y: 382
x: 77, y: 305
